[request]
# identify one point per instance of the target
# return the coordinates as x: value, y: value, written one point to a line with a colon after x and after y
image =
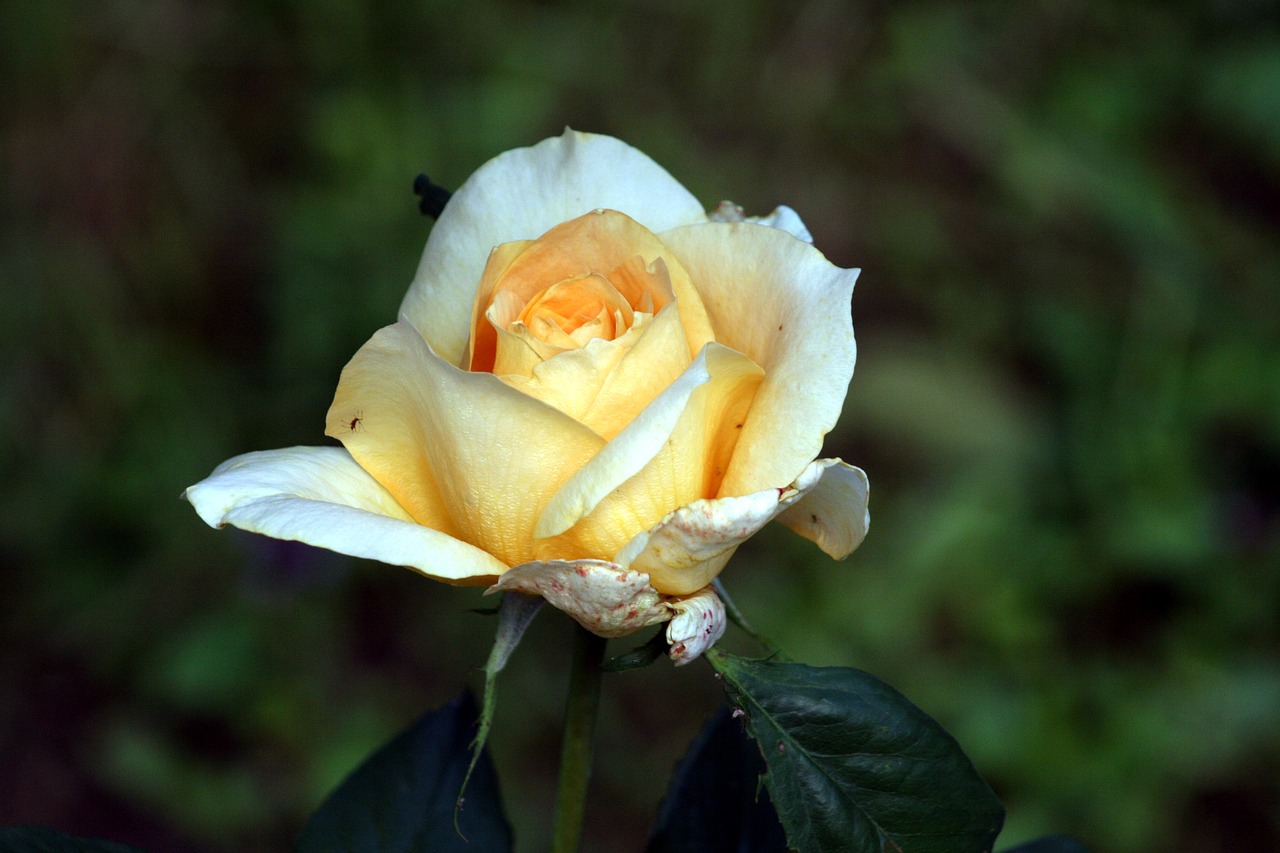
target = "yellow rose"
x: 595, y: 393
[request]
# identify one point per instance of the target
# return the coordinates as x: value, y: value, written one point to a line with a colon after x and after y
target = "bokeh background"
x: 1067, y: 397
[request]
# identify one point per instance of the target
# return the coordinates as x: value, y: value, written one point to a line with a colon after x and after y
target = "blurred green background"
x: 1068, y: 396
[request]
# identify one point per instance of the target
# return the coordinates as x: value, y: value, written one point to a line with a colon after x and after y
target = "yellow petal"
x: 519, y: 195
x: 656, y: 358
x: 780, y: 302
x: 443, y: 440
x: 623, y: 457
x: 493, y: 308
x: 572, y: 381
x: 319, y: 495
x: 621, y: 500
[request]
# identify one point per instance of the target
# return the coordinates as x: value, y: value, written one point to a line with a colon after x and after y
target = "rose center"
x: 596, y: 278
x: 572, y: 312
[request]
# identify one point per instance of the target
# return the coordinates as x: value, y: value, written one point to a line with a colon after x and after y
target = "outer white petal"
x: 520, y: 195
x: 603, y: 597
x: 686, y: 550
x: 698, y: 623
x: 319, y: 495
x: 833, y: 511
x: 778, y: 301
x: 783, y: 218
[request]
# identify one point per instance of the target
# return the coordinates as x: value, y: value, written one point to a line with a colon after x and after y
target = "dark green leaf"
x: 42, y: 839
x: 856, y: 768
x: 716, y: 803
x: 401, y: 800
x: 1050, y: 844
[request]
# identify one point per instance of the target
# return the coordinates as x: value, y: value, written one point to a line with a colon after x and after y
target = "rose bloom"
x: 595, y: 392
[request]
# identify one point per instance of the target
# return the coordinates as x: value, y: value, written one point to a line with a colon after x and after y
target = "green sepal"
x: 642, y: 655
x: 515, y: 614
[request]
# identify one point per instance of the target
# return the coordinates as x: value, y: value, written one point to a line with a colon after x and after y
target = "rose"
x: 595, y: 393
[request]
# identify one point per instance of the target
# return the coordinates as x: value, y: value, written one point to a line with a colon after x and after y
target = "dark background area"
x: 1067, y: 397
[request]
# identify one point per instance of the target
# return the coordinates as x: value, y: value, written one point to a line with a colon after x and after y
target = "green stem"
x: 579, y: 728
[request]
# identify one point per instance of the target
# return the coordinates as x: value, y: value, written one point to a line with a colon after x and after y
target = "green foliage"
x: 40, y: 839
x: 1067, y: 395
x: 854, y: 767
x: 401, y: 799
x: 716, y: 803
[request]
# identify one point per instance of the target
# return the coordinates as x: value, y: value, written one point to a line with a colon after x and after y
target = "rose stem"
x: 579, y: 728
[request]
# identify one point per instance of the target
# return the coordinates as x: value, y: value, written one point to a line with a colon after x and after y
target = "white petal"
x: 778, y: 301
x: 783, y: 218
x: 520, y: 195
x: 833, y: 511
x: 686, y: 550
x: 603, y: 597
x: 319, y: 495
x: 699, y: 622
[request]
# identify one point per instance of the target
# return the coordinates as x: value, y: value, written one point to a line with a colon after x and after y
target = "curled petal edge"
x: 687, y: 549
x: 601, y: 596
x: 321, y: 496
x: 613, y: 601
x: 697, y: 625
x: 782, y: 218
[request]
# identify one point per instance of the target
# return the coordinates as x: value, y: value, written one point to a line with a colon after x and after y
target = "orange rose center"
x: 585, y: 279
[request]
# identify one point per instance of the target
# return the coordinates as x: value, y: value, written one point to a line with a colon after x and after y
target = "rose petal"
x: 442, y: 439
x: 606, y: 384
x: 688, y: 465
x: 781, y: 303
x: 623, y: 457
x: 699, y: 621
x: 783, y: 218
x: 604, y: 242
x: 603, y: 597
x: 675, y: 451
x: 656, y: 359
x: 833, y: 511
x: 519, y: 195
x: 687, y: 549
x: 319, y: 495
